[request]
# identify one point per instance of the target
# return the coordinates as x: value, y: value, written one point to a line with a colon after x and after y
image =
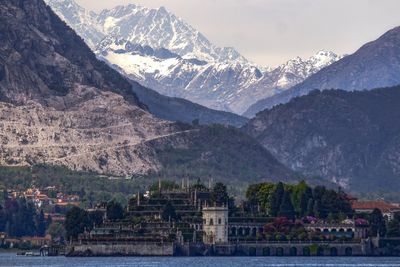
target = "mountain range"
x: 60, y: 105
x: 162, y: 52
x: 376, y: 64
x: 351, y: 138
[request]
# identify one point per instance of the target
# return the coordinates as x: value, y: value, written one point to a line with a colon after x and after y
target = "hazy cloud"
x: 271, y: 31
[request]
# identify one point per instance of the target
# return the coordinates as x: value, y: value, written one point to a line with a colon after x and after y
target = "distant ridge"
x: 376, y: 64
x: 350, y: 138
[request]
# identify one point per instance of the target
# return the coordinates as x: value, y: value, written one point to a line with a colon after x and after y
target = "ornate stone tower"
x: 215, y: 225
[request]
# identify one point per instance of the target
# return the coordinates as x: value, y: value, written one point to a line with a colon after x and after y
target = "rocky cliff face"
x: 60, y: 105
x: 41, y: 57
x: 101, y: 133
x: 349, y: 137
x: 375, y: 64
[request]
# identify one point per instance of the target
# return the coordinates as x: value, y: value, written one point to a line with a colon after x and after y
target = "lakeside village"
x: 198, y: 220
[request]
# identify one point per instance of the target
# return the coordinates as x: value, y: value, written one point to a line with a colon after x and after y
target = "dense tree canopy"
x: 377, y: 223
x: 20, y: 218
x: 115, y: 211
x: 169, y: 213
x: 298, y: 200
x: 219, y: 194
x: 76, y: 222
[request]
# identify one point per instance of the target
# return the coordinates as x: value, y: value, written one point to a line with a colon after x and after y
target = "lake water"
x: 12, y: 260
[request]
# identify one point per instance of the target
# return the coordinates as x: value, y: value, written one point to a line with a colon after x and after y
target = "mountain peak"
x: 157, y: 28
x: 162, y: 10
x: 374, y: 65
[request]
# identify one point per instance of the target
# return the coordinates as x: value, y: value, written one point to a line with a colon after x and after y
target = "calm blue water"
x: 14, y: 261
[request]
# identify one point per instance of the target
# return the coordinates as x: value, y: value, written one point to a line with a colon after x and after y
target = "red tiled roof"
x: 370, y: 205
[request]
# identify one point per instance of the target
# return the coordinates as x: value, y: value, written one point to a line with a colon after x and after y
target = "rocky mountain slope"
x: 352, y: 138
x: 162, y: 52
x: 375, y: 64
x: 60, y: 105
x: 182, y: 110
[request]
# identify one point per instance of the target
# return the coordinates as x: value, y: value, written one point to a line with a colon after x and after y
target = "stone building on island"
x: 215, y: 224
x: 185, y: 221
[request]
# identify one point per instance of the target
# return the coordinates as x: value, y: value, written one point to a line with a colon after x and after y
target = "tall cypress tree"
x: 310, y: 207
x: 377, y: 223
x: 40, y: 224
x: 114, y: 211
x: 276, y: 199
x: 317, y: 209
x: 303, y: 205
x: 286, y: 208
x: 2, y: 219
x: 219, y: 194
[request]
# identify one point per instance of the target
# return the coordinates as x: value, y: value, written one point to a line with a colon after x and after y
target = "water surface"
x: 11, y: 260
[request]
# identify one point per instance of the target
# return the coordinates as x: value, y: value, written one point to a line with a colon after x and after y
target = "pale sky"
x: 269, y: 32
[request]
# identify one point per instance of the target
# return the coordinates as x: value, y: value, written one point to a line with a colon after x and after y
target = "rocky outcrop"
x: 41, y: 57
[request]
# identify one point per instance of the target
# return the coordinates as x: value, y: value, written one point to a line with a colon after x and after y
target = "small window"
x: 211, y: 222
x: 219, y: 221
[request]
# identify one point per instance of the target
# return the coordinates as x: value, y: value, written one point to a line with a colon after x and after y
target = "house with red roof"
x: 388, y: 209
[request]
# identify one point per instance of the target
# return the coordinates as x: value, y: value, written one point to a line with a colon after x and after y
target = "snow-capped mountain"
x: 376, y: 64
x: 164, y: 53
x: 228, y: 86
x: 81, y: 20
x: 156, y: 28
x: 281, y: 78
x: 210, y: 84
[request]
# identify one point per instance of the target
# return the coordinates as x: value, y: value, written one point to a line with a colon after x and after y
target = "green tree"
x: 56, y: 230
x: 393, y: 228
x: 306, y: 196
x: 165, y: 185
x: 40, y: 224
x: 3, y: 219
x: 219, y: 194
x: 199, y: 186
x: 310, y: 207
x: 377, y: 223
x: 317, y: 209
x: 169, y: 213
x: 76, y: 221
x: 96, y: 218
x: 286, y: 208
x: 276, y: 199
x: 297, y: 195
x: 115, y: 211
x: 252, y: 193
x: 264, y: 196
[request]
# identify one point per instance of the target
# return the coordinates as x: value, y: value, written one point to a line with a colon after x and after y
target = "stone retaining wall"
x: 129, y: 249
